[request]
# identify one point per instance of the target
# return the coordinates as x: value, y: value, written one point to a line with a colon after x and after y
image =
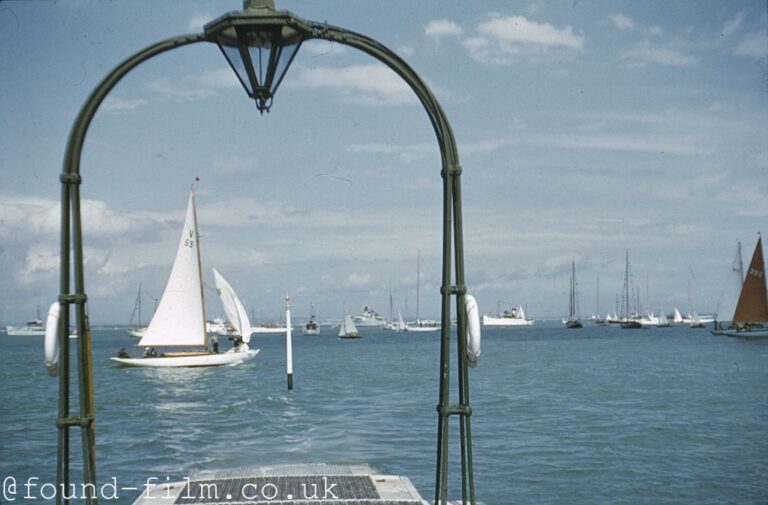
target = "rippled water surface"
x: 598, y: 415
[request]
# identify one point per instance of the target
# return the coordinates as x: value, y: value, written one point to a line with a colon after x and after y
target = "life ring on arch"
x: 52, y: 339
x: 473, y: 330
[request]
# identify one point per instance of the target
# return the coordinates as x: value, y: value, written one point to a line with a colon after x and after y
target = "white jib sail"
x: 233, y: 307
x: 179, y: 319
x: 347, y: 326
x: 731, y: 290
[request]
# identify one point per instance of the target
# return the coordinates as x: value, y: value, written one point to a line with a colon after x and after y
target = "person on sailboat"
x: 149, y: 352
x: 215, y: 343
x: 238, y: 340
x: 122, y: 353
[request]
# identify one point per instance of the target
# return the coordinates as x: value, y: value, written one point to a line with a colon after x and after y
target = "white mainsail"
x: 731, y: 290
x: 347, y: 326
x: 180, y: 317
x: 233, y: 307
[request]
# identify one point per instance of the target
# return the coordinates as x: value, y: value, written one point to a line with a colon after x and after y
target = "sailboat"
x: 137, y: 330
x: 573, y: 320
x: 311, y: 327
x: 596, y: 319
x: 179, y: 320
x: 420, y: 325
x: 630, y: 320
x: 751, y: 314
x: 348, y: 328
x: 730, y: 296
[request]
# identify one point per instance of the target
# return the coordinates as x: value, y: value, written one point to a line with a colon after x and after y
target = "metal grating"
x: 286, y: 490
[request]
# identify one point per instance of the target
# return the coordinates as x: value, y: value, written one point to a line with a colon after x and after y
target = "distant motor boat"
x: 368, y: 317
x: 33, y: 327
x: 311, y: 327
x: 512, y: 317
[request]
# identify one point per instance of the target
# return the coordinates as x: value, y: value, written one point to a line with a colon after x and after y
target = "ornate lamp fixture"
x: 259, y: 45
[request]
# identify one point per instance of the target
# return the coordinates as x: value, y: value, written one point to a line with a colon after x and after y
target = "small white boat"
x: 179, y: 320
x: 269, y: 329
x: 348, y: 328
x: 423, y: 325
x: 398, y: 325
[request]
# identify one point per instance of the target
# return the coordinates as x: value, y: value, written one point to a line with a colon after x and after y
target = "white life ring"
x: 52, y: 339
x: 473, y: 330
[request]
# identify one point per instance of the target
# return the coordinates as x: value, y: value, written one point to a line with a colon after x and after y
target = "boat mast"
x: 626, y: 287
x: 390, y: 301
x: 199, y: 267
x: 138, y: 304
x: 598, y: 294
x: 418, y: 267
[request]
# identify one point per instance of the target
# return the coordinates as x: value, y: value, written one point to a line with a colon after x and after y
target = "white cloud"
x: 113, y: 104
x: 370, y: 84
x: 198, y: 21
x: 754, y: 45
x: 195, y: 87
x: 644, y: 53
x: 622, y: 22
x: 732, y: 25
x: 439, y: 28
x: 501, y: 40
x: 317, y: 47
x: 356, y: 280
x: 640, y: 143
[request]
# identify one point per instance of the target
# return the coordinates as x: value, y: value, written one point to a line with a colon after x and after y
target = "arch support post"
x: 72, y: 283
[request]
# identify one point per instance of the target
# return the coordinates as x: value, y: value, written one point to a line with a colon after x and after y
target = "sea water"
x: 595, y: 415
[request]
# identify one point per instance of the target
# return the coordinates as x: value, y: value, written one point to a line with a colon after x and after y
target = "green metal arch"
x: 71, y: 239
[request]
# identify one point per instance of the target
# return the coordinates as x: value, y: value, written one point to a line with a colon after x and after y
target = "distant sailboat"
x: 348, y: 328
x: 731, y: 291
x: 573, y: 320
x: 138, y: 329
x: 419, y: 325
x: 179, y: 320
x: 600, y: 321
x: 751, y: 315
x: 630, y: 319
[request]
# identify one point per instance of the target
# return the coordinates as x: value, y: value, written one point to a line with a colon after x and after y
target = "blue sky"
x: 584, y: 129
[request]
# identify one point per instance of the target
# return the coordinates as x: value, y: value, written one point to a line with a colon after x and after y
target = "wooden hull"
x: 189, y: 360
x: 758, y: 333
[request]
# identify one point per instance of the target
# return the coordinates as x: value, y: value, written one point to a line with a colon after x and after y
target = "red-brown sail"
x: 753, y: 301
